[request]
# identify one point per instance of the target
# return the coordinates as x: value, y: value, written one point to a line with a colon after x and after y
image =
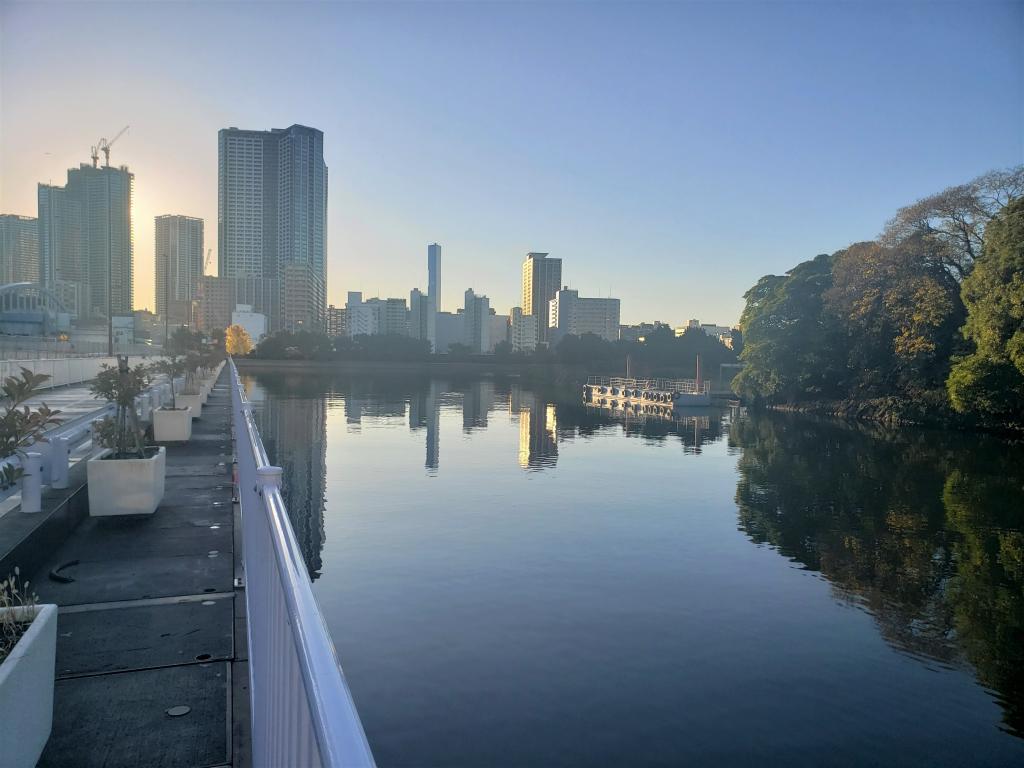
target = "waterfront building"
x: 19, y: 249
x: 522, y: 330
x: 272, y: 217
x: 361, y: 319
x: 572, y: 314
x: 498, y: 330
x: 476, y: 322
x: 337, y: 321
x: 542, y: 277
x: 218, y: 296
x: 254, y: 323
x: 450, y: 330
x: 86, y: 246
x: 178, y: 265
x: 420, y: 315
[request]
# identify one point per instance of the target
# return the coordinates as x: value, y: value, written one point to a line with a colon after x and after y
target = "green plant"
x: 20, y: 426
x: 14, y: 622
x: 121, y: 385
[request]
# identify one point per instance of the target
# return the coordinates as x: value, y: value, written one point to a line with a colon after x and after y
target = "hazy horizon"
x: 670, y: 154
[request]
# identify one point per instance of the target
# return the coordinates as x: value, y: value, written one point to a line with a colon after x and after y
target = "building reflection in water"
x: 425, y: 412
x: 538, y: 429
x: 294, y: 432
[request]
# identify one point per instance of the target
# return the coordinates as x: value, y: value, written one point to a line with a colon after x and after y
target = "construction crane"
x: 206, y: 263
x: 104, y: 146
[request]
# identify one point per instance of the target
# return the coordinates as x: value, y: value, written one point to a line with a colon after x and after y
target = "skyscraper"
x: 179, y: 265
x: 272, y: 216
x: 433, y: 292
x: 85, y: 240
x: 542, y: 277
x: 19, y: 249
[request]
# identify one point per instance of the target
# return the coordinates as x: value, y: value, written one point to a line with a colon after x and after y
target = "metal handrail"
x: 302, y: 709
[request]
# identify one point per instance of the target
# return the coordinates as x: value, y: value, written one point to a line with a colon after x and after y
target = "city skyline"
x: 686, y: 196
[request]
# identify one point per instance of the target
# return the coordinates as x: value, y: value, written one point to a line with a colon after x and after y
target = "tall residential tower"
x: 19, y: 249
x: 179, y: 265
x: 272, y: 217
x: 86, y: 250
x: 542, y: 277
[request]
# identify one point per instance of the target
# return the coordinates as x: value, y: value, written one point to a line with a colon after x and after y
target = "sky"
x: 669, y: 153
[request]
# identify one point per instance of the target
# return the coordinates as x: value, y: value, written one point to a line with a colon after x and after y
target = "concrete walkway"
x: 151, y: 656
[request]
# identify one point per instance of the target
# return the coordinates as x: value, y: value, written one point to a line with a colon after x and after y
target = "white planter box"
x: 26, y: 690
x: 195, y: 402
x: 172, y: 426
x: 125, y: 486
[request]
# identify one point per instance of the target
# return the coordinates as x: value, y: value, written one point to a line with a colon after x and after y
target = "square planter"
x: 125, y: 486
x: 26, y: 690
x: 195, y: 402
x: 172, y: 425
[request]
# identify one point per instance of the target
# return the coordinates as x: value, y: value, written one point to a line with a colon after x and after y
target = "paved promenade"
x: 151, y: 656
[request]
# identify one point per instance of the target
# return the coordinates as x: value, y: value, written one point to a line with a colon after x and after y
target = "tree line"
x: 927, y: 320
x: 661, y: 354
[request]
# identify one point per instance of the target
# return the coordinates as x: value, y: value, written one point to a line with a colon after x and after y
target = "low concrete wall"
x: 64, y: 370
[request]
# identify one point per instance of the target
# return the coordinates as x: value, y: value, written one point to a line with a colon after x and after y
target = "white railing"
x: 302, y: 710
x: 686, y: 386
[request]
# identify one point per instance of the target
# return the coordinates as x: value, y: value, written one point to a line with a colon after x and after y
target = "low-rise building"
x: 254, y: 323
x: 522, y: 330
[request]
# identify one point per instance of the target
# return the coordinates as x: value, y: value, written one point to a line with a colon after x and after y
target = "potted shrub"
x: 20, y: 426
x: 125, y: 477
x: 171, y: 423
x: 191, y: 395
x: 28, y: 644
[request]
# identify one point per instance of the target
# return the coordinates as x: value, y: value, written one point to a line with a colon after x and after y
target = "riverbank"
x: 897, y: 412
x: 546, y: 371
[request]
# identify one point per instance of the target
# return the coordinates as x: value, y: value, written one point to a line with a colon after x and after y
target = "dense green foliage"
x: 885, y: 321
x: 990, y: 381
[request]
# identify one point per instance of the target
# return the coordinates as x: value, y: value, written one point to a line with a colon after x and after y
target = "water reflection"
x: 294, y: 432
x: 922, y: 529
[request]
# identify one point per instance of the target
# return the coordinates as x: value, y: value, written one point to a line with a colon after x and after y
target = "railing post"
x: 268, y: 476
x: 32, y: 483
x: 60, y: 455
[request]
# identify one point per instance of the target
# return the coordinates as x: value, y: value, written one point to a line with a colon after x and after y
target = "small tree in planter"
x: 28, y: 643
x: 20, y: 426
x: 171, y: 424
x: 126, y: 478
x: 191, y: 396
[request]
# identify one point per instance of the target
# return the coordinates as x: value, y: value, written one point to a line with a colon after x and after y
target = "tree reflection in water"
x: 921, y: 528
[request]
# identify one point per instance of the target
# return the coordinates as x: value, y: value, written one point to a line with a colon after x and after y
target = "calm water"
x: 514, y: 580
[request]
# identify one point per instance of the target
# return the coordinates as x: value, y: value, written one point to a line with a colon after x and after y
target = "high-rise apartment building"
x: 272, y: 216
x: 420, y: 310
x: 569, y: 313
x: 86, y: 248
x: 178, y: 265
x: 476, y: 318
x: 19, y: 249
x: 542, y: 277
x: 522, y: 330
x: 337, y: 321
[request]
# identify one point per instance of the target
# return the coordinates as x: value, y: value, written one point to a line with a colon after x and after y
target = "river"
x: 512, y: 578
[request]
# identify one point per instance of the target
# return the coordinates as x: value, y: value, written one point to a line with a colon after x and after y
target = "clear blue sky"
x: 670, y: 153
